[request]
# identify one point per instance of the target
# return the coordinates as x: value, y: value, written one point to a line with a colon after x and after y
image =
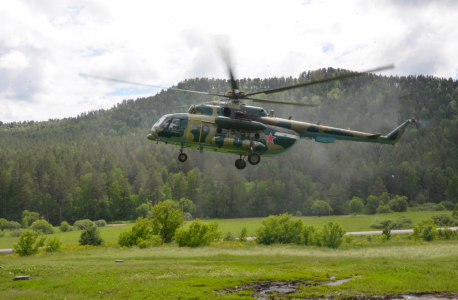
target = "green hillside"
x: 100, y: 165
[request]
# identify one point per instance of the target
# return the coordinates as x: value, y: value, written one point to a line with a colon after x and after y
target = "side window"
x: 175, y: 125
x: 165, y: 123
x: 205, y: 129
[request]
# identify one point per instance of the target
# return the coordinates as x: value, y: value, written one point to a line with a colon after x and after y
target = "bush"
x: 42, y: 225
x: 402, y: 222
x: 383, y: 238
x: 100, y: 223
x: 439, y: 207
x: 372, y: 204
x: 298, y: 213
x: 455, y: 212
x: 428, y: 233
x: 445, y: 234
x: 349, y: 238
x: 228, y: 237
x: 383, y: 209
x: 198, y: 234
x: 53, y: 245
x: 418, y: 229
x: 215, y: 234
x: 2, y: 234
x: 143, y: 210
x: 307, y: 237
x: 448, y: 205
x: 27, y: 244
x: 65, y: 227
x: 243, y: 234
x: 279, y: 230
x: 30, y: 216
x: 331, y: 235
x: 380, y: 225
x: 321, y: 208
x: 387, y: 232
x: 444, y: 220
x: 141, y: 235
x: 11, y: 225
x: 356, y: 205
x: 83, y: 224
x: 166, y: 220
x: 16, y: 233
x: 398, y: 204
x: 91, y: 236
x: 25, y: 223
x: 3, y: 222
x: 187, y: 217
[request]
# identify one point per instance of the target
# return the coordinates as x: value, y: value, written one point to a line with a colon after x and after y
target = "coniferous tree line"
x: 99, y: 165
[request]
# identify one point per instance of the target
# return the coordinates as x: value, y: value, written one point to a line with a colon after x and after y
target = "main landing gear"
x: 182, y: 157
x: 253, y: 158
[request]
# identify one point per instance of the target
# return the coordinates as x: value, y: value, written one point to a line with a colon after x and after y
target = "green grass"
x: 358, y: 223
x: 170, y: 272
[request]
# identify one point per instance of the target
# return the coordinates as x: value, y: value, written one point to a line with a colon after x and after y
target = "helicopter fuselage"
x: 242, y: 129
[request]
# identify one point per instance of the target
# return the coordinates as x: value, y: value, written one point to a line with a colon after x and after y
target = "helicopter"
x: 231, y: 126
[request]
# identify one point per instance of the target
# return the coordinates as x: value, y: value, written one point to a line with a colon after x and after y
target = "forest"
x: 100, y: 165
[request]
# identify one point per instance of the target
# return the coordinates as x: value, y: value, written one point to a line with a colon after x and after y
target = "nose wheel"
x: 182, y: 157
x: 240, y: 164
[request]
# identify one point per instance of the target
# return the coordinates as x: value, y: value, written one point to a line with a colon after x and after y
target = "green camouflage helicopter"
x: 249, y: 131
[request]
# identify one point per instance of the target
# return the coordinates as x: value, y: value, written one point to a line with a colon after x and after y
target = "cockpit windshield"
x: 159, y: 121
x: 165, y: 123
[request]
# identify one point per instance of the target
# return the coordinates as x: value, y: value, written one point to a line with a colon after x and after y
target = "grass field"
x: 170, y: 272
x: 350, y: 223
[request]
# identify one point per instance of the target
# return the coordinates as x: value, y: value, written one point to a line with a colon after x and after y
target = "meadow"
x: 396, y: 267
x: 349, y: 223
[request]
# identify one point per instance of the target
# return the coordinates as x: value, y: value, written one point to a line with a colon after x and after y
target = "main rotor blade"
x: 147, y: 85
x: 281, y: 102
x: 319, y: 81
x: 223, y: 45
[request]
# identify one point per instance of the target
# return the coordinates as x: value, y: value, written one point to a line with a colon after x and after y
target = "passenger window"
x: 206, y: 129
x: 175, y: 125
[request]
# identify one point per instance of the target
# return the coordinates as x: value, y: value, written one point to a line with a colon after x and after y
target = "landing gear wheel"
x: 182, y: 157
x: 240, y: 164
x: 254, y: 158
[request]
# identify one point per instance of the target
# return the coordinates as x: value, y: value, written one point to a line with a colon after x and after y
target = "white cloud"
x: 45, y: 45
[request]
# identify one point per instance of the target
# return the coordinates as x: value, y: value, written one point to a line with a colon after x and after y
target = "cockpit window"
x: 165, y: 123
x: 175, y: 125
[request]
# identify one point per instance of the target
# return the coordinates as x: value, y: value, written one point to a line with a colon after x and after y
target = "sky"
x: 45, y: 45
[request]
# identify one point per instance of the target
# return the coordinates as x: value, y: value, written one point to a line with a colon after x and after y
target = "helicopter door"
x: 194, y: 131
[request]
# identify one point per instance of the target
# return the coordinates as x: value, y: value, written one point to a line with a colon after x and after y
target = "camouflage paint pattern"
x: 241, y: 129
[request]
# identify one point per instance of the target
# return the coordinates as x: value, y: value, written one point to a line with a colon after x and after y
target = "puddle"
x: 267, y: 290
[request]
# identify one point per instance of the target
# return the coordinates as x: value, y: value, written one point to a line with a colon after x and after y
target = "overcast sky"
x: 45, y: 45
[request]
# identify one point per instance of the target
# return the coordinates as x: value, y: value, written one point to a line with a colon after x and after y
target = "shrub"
x: 387, y: 232
x: 11, y: 225
x: 402, y: 222
x: 187, y: 217
x: 142, y: 210
x: 27, y: 244
x: 83, y: 224
x: 100, y: 223
x: 30, y: 216
x: 372, y: 204
x: 2, y: 234
x: 228, y: 237
x: 53, y: 245
x: 91, y: 236
x: 215, y: 234
x: 198, y: 234
x: 166, y: 220
x: 25, y: 223
x: 383, y: 238
x: 141, y: 235
x: 331, y: 235
x: 321, y: 208
x: 3, y: 223
x: 439, y: 207
x: 298, y: 213
x: 443, y: 220
x: 65, y: 227
x: 455, y: 212
x: 308, y: 233
x: 418, y: 229
x: 279, y: 229
x: 42, y: 225
x: 445, y: 234
x: 428, y: 233
x: 349, y: 238
x: 369, y: 238
x: 448, y: 205
x: 383, y: 209
x: 16, y: 233
x: 356, y: 205
x: 243, y: 234
x: 380, y: 225
x: 398, y: 204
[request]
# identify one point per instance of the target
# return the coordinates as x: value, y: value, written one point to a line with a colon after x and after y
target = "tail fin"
x: 396, y: 134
